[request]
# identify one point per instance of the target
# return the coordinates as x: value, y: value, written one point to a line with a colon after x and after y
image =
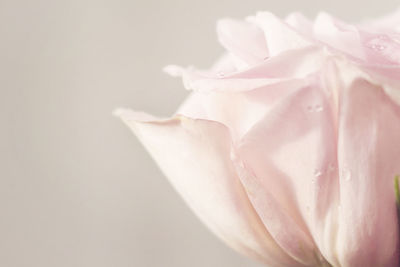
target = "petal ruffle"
x: 279, y: 35
x: 239, y: 111
x: 288, y: 66
x: 338, y: 35
x: 243, y: 40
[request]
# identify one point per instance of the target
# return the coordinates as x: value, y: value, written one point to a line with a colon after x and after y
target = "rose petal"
x: 279, y: 35
x: 243, y: 40
x: 195, y: 156
x: 291, y: 156
x: 295, y: 64
x: 341, y: 36
x: 225, y: 64
x: 300, y: 23
x: 369, y: 157
x: 239, y: 111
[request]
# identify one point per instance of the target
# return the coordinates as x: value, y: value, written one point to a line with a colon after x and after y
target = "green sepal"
x: 397, y: 190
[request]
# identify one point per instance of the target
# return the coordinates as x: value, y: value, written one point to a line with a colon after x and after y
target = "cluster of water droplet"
x: 378, y: 44
x: 386, y: 46
x: 318, y: 173
x: 315, y: 108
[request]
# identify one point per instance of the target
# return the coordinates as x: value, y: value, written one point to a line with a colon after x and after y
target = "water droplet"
x: 318, y: 108
x: 382, y: 37
x: 232, y: 155
x: 380, y: 47
x: 315, y: 108
x: 346, y: 174
x: 221, y: 74
x: 317, y: 173
x: 396, y: 39
x: 377, y: 47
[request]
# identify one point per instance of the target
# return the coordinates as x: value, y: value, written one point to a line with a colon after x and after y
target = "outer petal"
x: 195, y: 156
x: 369, y: 157
x: 290, y: 159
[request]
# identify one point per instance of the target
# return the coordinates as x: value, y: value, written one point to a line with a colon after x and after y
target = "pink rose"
x: 288, y: 146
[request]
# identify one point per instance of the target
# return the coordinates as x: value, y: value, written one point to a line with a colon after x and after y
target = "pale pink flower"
x: 287, y: 147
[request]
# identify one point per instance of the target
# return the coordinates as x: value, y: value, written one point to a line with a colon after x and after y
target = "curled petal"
x: 195, y: 156
x: 288, y: 66
x: 239, y: 111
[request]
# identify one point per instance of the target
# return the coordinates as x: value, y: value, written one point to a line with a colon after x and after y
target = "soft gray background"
x: 76, y: 188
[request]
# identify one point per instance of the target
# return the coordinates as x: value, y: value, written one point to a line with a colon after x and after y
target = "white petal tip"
x: 173, y: 70
x: 131, y: 116
x: 119, y: 112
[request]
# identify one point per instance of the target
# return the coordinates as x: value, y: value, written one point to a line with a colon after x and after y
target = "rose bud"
x: 288, y: 146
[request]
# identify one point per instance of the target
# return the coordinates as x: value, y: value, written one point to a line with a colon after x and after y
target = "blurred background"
x: 76, y: 187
